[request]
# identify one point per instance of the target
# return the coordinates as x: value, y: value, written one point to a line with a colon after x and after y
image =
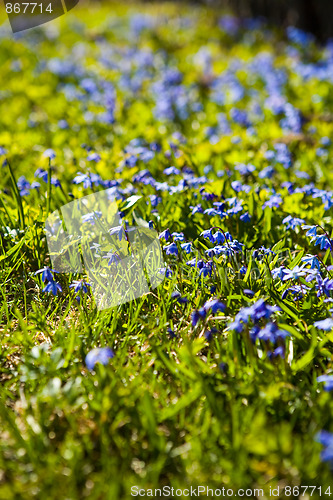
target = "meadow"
x: 217, y: 132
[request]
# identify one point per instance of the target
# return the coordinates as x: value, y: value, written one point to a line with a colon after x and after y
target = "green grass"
x: 163, y: 411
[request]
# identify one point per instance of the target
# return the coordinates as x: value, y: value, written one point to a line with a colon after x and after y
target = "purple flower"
x: 99, y: 355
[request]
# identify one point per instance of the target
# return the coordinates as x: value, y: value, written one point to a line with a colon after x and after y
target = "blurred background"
x: 315, y: 16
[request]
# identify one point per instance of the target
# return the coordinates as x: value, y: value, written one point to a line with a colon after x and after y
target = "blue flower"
x: 240, y: 117
x: 196, y: 315
x: 292, y: 222
x: 99, y: 355
x: 206, y: 269
x: 254, y: 313
x: 271, y: 333
x: 219, y: 237
x: 274, y: 201
x: 171, y: 171
x: 177, y: 295
x: 279, y: 351
x: 294, y: 273
x: 49, y: 153
x: 215, y: 305
x: 196, y: 209
x: 94, y: 157
x: 187, y: 247
x: 324, y: 324
x: 113, y: 258
x: 207, y: 234
x: 279, y: 272
x: 244, y: 169
x: 209, y: 334
x: 328, y: 381
x: 323, y: 241
x: 53, y: 287
x: 79, y: 285
x: 23, y: 185
x: 171, y: 333
x: 178, y: 236
x: 84, y: 179
x: 312, y: 260
x: 246, y: 217
x: 297, y: 290
x: 171, y: 249
x: 91, y: 217
x: 165, y: 235
x: 312, y: 230
x: 260, y: 252
x: 326, y: 439
x: 223, y: 367
x: 324, y: 286
x: 211, y: 212
x: 267, y: 172
x: 41, y: 174
x: 47, y: 273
